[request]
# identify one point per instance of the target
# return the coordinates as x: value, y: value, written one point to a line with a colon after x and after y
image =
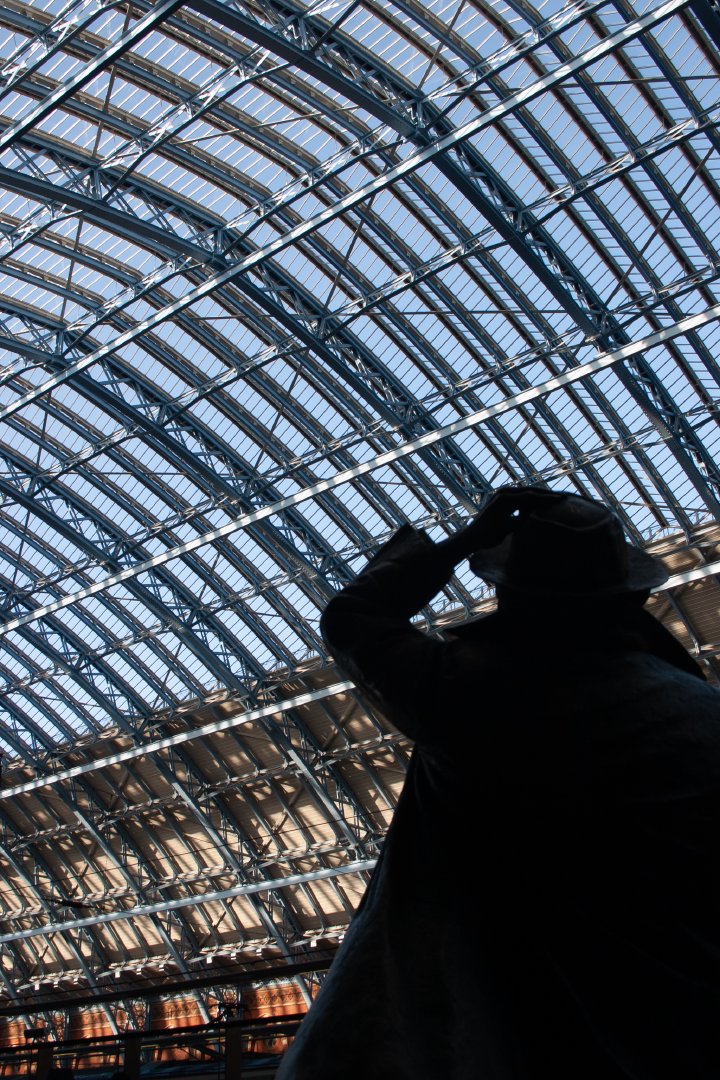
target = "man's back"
x: 546, y: 903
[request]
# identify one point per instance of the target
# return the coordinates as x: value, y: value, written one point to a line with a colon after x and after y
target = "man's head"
x: 566, y: 547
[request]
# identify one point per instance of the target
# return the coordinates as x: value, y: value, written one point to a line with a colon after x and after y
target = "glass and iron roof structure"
x: 276, y: 278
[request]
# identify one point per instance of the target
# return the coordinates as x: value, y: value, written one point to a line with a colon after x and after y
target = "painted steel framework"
x: 275, y: 278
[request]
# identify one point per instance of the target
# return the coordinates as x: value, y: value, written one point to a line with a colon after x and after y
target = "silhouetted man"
x: 547, y: 901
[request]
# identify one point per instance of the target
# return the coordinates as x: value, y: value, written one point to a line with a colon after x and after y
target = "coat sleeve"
x: 367, y: 627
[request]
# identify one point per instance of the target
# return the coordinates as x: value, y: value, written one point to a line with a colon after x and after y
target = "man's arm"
x: 367, y: 626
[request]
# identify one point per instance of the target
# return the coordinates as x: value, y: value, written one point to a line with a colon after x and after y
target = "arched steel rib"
x: 431, y: 153
x: 295, y: 329
x: 118, y: 867
x: 241, y: 890
x: 43, y: 904
x: 191, y: 639
x: 581, y: 371
x: 639, y: 380
x: 152, y: 746
x: 650, y: 469
x: 174, y: 450
x: 155, y: 17
x: 32, y: 54
x: 462, y: 471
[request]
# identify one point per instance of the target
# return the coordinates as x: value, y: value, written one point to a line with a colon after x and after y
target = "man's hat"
x: 568, y: 545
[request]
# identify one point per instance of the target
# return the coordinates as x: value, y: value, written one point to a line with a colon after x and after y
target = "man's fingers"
x: 503, y: 510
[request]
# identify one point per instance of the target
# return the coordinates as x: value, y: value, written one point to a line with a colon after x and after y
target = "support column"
x: 131, y: 1062
x: 44, y: 1060
x: 233, y: 1050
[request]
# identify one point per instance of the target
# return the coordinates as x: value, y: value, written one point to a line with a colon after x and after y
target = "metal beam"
x: 276, y: 884
x: 88, y: 71
x: 364, y: 192
x: 32, y: 54
x: 154, y: 746
x: 602, y: 361
x: 471, y: 175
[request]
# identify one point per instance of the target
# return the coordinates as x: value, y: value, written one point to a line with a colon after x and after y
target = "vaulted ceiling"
x: 276, y: 278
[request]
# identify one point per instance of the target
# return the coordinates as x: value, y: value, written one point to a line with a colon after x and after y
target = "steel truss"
x: 276, y: 279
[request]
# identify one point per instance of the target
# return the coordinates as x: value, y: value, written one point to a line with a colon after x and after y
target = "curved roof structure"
x: 277, y: 277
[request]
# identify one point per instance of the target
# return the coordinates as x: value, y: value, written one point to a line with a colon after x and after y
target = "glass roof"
x: 276, y: 278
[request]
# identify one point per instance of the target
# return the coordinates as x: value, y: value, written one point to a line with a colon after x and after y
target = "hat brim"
x: 644, y: 572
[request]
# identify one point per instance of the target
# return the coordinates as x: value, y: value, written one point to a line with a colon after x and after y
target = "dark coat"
x: 547, y: 902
